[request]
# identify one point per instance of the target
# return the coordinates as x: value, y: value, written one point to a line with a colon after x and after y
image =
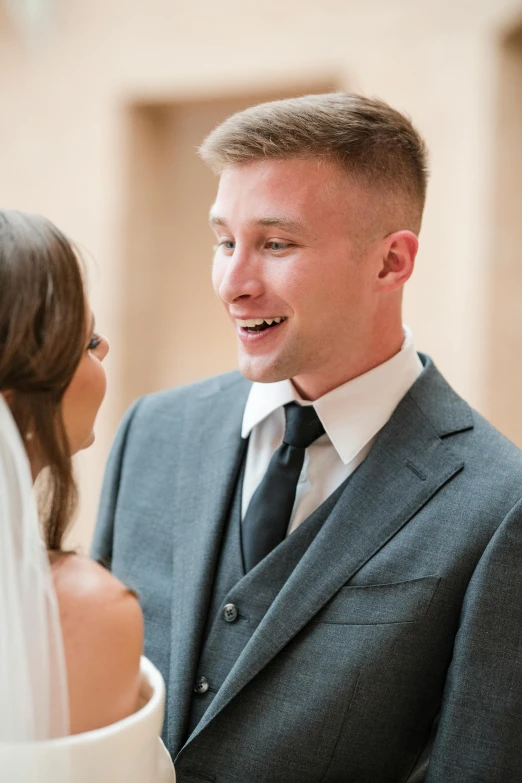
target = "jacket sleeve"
x: 104, y: 534
x: 479, y: 738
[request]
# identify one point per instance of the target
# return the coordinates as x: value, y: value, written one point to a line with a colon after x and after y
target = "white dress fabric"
x: 34, y: 703
x: 129, y: 751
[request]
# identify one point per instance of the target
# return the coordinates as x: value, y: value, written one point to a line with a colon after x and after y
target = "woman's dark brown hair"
x: 42, y: 337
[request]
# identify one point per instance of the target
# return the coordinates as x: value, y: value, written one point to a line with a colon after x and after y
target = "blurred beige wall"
x: 101, y: 112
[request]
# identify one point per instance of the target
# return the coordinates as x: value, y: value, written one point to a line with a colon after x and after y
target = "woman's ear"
x: 398, y: 259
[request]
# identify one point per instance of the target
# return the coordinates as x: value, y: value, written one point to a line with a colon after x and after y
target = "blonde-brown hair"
x: 376, y: 144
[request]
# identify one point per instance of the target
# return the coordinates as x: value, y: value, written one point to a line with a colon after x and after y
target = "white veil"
x: 33, y: 679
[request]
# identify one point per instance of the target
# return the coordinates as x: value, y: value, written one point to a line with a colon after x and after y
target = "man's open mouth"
x: 260, y: 324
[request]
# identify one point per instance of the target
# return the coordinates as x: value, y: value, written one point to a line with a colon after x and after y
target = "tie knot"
x: 302, y: 425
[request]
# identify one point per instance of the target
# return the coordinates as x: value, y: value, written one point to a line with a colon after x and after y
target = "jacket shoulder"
x: 496, y: 445
x: 464, y: 428
x: 178, y: 401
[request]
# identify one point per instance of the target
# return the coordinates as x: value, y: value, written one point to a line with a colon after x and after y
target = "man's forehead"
x: 283, y: 170
x: 285, y: 193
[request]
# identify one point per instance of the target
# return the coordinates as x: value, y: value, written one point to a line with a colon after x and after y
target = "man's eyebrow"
x: 286, y: 223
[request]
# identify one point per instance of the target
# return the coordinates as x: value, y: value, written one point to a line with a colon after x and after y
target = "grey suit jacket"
x: 394, y: 650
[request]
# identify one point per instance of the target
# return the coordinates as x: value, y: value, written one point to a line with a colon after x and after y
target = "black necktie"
x: 268, y: 514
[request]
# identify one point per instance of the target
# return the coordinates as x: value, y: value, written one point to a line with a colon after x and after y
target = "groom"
x: 327, y: 546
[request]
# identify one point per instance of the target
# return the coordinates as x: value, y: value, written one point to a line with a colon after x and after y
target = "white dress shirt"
x: 351, y: 414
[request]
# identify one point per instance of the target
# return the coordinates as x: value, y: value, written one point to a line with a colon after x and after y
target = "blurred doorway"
x: 505, y: 360
x: 174, y: 330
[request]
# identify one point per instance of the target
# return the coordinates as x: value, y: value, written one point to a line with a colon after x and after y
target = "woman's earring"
x: 29, y: 435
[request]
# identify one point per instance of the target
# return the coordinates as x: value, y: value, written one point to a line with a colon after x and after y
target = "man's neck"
x: 314, y: 385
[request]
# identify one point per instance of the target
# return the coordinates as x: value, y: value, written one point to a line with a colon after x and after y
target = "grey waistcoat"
x: 251, y: 594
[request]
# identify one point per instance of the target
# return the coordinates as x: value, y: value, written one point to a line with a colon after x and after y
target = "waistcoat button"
x: 230, y: 613
x: 201, y: 685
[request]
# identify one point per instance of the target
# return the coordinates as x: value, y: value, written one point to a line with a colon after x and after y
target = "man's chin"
x: 262, y: 371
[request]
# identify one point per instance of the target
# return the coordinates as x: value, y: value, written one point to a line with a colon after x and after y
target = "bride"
x: 77, y: 701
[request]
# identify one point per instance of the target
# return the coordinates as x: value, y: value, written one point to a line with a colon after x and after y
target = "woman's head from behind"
x: 50, y: 360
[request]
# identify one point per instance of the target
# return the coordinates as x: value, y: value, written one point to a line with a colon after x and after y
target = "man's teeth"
x: 260, y: 321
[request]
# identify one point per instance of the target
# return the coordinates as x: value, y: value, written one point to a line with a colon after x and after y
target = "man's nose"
x: 240, y: 278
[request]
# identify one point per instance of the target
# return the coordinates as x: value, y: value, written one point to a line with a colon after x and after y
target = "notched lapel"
x: 213, y: 448
x: 408, y: 464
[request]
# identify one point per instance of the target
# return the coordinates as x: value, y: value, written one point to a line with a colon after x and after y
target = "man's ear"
x: 398, y: 259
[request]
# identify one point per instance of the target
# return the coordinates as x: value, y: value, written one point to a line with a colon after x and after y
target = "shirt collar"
x: 352, y: 414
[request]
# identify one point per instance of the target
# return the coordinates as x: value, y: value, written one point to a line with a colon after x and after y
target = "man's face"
x: 292, y: 245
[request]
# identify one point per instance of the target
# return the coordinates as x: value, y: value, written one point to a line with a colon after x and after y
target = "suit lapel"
x: 407, y: 465
x: 203, y: 485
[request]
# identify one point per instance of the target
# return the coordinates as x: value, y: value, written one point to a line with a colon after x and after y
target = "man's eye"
x: 277, y: 246
x: 94, y: 342
x: 227, y: 244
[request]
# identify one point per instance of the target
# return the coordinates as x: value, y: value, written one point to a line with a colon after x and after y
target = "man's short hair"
x: 376, y: 144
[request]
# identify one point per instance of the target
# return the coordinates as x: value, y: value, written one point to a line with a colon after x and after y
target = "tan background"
x: 102, y: 105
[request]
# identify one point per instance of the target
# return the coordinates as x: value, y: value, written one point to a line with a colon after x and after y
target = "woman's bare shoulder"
x: 80, y: 578
x: 102, y: 627
x: 85, y: 590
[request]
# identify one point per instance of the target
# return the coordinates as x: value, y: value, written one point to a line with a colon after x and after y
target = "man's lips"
x: 254, y: 335
x: 256, y: 321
